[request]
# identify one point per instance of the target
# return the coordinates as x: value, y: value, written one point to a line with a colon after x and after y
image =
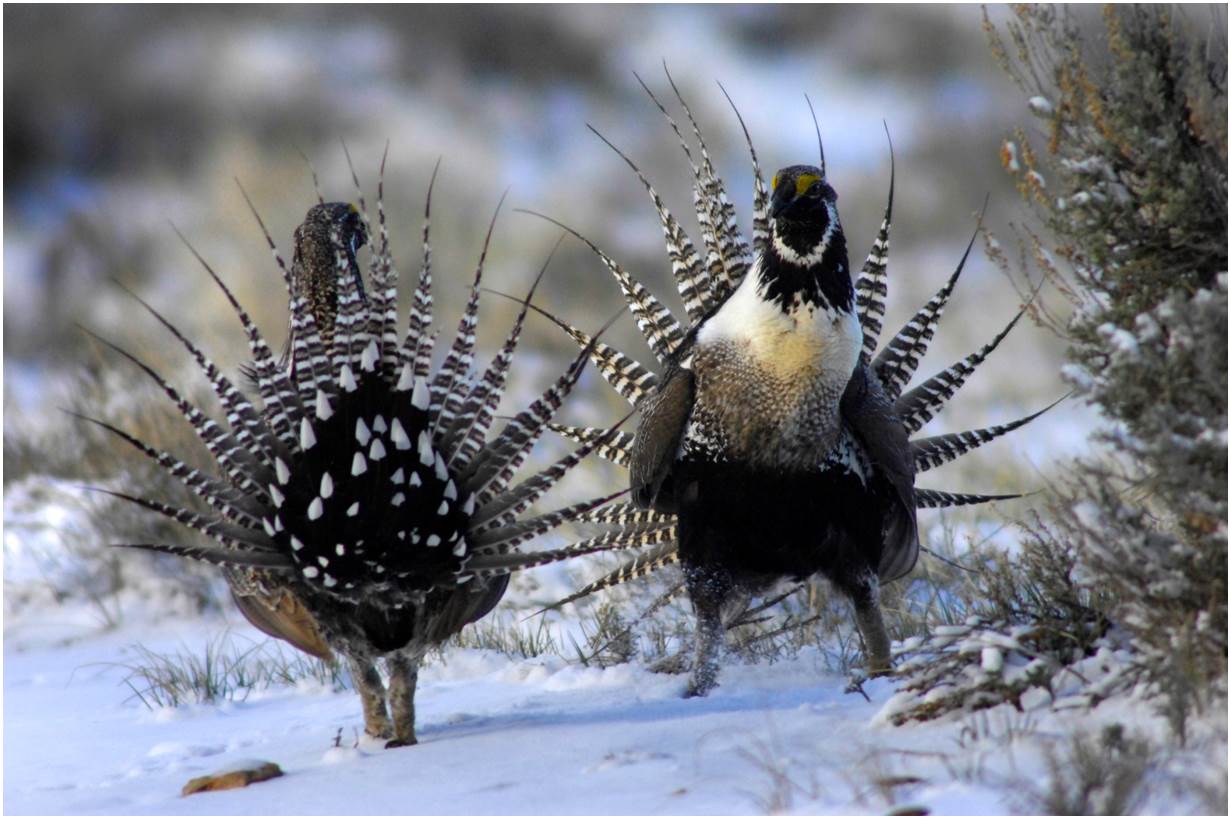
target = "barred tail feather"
x: 690, y: 277
x: 871, y: 287
x: 898, y: 361
x: 230, y: 535
x: 641, y: 565
x: 269, y: 240
x: 917, y: 406
x: 350, y: 335
x: 624, y: 514
x: 657, y: 324
x: 626, y: 375
x: 417, y: 347
x: 727, y: 252
x: 466, y: 435
x: 940, y: 449
x: 446, y: 387
x: 221, y: 446
x: 491, y: 564
x: 309, y: 360
x: 502, y: 457
x: 241, y: 415
x: 508, y: 536
x: 936, y: 499
x: 615, y: 448
x: 696, y: 283
x: 760, y: 198
x: 209, y: 490
x: 276, y: 391
x: 385, y: 282
x: 502, y: 507
x: 270, y: 561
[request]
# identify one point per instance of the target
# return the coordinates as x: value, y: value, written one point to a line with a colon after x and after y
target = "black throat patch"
x: 825, y: 284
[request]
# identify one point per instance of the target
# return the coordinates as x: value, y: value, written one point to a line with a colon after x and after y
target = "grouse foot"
x: 401, y: 743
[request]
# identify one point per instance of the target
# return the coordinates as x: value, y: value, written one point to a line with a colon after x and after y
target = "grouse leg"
x: 372, y: 694
x: 403, y: 676
x: 872, y: 628
x: 708, y: 591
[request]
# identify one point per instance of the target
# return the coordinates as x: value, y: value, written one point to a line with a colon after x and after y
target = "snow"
x: 1120, y: 340
x: 499, y: 735
x: 1040, y: 106
x: 1009, y: 151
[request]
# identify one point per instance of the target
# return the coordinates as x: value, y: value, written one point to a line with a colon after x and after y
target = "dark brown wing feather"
x: 283, y: 616
x: 664, y: 420
x: 869, y: 413
x: 463, y: 606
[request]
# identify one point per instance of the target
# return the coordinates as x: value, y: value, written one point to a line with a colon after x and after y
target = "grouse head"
x: 806, y: 260
x: 803, y: 207
x: 331, y: 232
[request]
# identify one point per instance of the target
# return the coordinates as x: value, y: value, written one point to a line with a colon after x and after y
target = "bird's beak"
x: 783, y: 198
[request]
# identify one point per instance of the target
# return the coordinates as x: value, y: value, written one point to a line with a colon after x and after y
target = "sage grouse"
x: 363, y: 505
x: 772, y: 438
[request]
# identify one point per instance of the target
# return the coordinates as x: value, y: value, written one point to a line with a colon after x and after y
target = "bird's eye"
x: 815, y: 191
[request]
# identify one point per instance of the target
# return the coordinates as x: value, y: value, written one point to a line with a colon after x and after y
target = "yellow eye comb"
x: 804, y: 182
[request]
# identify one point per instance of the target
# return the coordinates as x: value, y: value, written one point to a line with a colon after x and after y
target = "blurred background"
x: 123, y: 121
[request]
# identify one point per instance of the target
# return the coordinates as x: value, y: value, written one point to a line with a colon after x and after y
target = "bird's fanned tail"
x: 264, y: 448
x: 725, y: 263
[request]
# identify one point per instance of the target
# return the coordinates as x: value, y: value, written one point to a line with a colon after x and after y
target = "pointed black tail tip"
x: 549, y: 219
x: 494, y: 292
x: 606, y: 326
x: 541, y: 612
x: 616, y: 426
x: 527, y: 303
x: 1055, y: 403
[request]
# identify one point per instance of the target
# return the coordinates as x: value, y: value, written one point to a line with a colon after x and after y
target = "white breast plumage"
x: 804, y: 342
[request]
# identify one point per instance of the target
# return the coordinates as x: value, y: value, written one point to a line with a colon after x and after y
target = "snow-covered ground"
x: 497, y: 734
x: 537, y: 736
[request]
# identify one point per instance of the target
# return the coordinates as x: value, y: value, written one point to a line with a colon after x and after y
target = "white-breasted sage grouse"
x: 772, y: 437
x: 363, y: 504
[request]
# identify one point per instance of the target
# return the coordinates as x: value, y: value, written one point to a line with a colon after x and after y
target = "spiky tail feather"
x: 917, y: 406
x: 871, y: 289
x: 627, y: 376
x: 932, y: 452
x: 657, y: 324
x: 642, y: 565
x: 254, y: 454
x: 898, y: 361
x: 895, y: 364
x: 936, y: 499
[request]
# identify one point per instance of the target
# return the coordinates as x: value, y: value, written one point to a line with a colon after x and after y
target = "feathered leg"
x: 403, y: 677
x: 372, y: 694
x: 708, y: 591
x: 866, y: 600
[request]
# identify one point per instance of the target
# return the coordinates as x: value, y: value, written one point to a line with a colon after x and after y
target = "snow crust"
x: 538, y: 736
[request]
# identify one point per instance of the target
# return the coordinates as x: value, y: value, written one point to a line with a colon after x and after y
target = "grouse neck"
x: 803, y: 269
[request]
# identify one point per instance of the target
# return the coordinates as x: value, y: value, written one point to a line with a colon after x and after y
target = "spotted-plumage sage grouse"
x: 363, y: 503
x: 771, y: 434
